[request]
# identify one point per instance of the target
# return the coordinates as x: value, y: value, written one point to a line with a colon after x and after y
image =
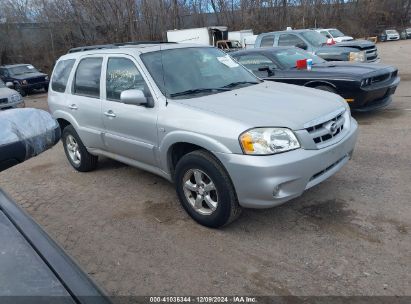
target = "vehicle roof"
x: 7, y: 66
x: 132, y: 49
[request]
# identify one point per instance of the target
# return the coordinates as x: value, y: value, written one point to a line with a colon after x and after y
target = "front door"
x: 130, y: 130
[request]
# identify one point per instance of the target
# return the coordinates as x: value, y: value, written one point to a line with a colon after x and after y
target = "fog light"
x: 349, y: 99
x: 276, y: 190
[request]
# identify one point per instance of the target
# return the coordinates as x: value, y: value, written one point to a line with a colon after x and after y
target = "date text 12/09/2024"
x: 204, y: 299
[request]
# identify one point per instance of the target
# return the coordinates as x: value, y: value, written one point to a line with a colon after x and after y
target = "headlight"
x: 357, y: 56
x: 366, y: 82
x: 15, y: 97
x: 24, y: 82
x: 265, y: 141
x: 46, y: 78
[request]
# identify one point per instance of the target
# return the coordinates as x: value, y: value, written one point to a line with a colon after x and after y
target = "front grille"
x: 3, y: 100
x: 371, y: 53
x: 35, y: 80
x: 326, y: 131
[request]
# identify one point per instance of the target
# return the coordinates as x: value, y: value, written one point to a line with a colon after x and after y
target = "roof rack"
x: 113, y: 46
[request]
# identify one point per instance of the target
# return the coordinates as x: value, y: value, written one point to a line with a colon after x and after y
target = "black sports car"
x: 365, y: 87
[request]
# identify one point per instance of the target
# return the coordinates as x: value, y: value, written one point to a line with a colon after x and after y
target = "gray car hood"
x: 6, y: 92
x: 270, y: 105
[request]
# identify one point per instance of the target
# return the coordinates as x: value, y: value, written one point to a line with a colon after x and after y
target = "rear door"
x: 85, y: 102
x: 130, y: 130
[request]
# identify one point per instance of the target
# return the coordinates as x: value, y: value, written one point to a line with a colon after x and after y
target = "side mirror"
x: 10, y: 85
x: 302, y: 46
x: 266, y: 69
x: 25, y: 133
x: 135, y: 97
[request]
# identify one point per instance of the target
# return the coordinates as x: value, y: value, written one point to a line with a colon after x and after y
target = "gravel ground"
x: 348, y: 236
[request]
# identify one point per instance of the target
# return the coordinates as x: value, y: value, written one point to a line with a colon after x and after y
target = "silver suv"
x: 196, y: 117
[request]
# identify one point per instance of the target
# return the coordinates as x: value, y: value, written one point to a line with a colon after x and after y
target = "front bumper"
x: 35, y: 86
x: 373, y: 97
x: 268, y: 181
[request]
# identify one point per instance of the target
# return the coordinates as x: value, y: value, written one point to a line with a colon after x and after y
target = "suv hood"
x: 358, y: 44
x: 6, y: 92
x: 29, y: 76
x: 270, y: 105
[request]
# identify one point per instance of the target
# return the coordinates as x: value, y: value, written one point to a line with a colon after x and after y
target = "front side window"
x: 267, y: 41
x: 61, y: 74
x: 191, y: 72
x: 87, y: 79
x: 255, y: 61
x: 325, y: 34
x: 314, y: 38
x: 122, y: 75
x: 289, y: 40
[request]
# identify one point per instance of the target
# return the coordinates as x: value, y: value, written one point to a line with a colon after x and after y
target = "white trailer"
x: 240, y: 36
x: 204, y: 35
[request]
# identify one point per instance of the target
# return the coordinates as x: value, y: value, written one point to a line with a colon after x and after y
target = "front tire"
x: 205, y: 190
x: 20, y: 90
x: 76, y: 152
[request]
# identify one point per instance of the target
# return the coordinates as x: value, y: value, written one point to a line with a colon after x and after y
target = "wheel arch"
x: 316, y: 83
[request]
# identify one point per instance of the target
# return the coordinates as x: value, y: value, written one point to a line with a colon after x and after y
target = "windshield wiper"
x: 235, y: 84
x: 196, y: 91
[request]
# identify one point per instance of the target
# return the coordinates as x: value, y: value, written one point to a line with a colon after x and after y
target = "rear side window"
x: 87, y: 79
x: 267, y: 41
x: 289, y: 40
x: 61, y: 75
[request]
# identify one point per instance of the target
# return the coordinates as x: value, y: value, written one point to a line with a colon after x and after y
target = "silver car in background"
x: 196, y: 117
x: 9, y: 98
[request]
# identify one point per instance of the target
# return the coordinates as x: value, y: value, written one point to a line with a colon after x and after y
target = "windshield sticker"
x: 228, y: 61
x: 30, y: 67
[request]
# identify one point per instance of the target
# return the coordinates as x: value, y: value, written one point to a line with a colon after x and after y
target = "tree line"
x: 38, y: 31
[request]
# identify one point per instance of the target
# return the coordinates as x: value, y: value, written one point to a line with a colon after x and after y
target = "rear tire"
x: 76, y: 152
x: 205, y: 190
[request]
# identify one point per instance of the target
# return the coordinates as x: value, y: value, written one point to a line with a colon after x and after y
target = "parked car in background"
x: 336, y: 35
x: 24, y: 77
x: 364, y: 86
x: 406, y: 33
x: 9, y: 98
x: 315, y: 43
x: 389, y: 35
x: 196, y: 117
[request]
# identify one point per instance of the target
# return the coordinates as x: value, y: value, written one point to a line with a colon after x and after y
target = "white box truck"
x: 212, y: 35
x: 240, y: 36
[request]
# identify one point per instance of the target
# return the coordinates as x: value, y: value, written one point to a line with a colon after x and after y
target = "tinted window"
x: 61, y: 74
x: 87, y: 79
x: 289, y: 40
x: 336, y: 33
x: 123, y: 75
x: 255, y: 61
x: 267, y: 41
x: 288, y: 58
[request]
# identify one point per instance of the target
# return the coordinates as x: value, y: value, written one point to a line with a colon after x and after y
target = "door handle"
x: 110, y: 113
x: 73, y: 107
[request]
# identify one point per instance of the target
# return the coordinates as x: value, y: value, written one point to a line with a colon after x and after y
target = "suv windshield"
x: 314, y: 38
x: 22, y: 69
x: 392, y: 32
x: 288, y: 58
x: 190, y: 72
x: 336, y: 33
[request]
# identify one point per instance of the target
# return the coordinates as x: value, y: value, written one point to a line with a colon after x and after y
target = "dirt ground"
x: 347, y: 236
